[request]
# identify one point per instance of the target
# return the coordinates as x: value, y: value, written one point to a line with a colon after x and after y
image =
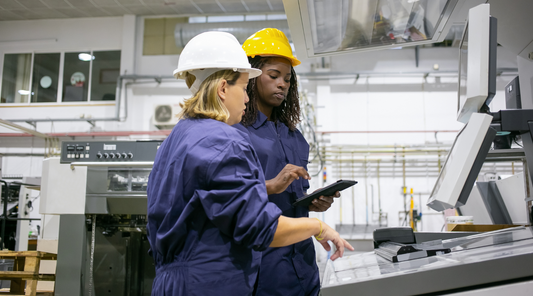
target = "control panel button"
x: 124, y: 155
x: 118, y: 155
x: 106, y: 155
x: 112, y: 155
x: 99, y: 155
x: 130, y: 155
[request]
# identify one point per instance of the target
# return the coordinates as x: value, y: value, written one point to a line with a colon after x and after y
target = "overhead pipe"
x: 340, y: 201
x: 118, y: 99
x: 387, y: 132
x: 2, y: 154
x: 416, y: 169
x: 353, y: 193
x: 317, y: 76
x: 95, y: 134
x: 410, y: 173
x: 379, y: 193
x: 365, y: 167
x: 10, y: 124
x: 372, y: 166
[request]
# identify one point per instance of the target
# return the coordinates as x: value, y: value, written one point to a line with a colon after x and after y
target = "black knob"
x: 130, y: 155
x: 106, y: 155
x: 99, y: 155
x: 124, y: 155
x: 112, y: 155
x: 117, y: 155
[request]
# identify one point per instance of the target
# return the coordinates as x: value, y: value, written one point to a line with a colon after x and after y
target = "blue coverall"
x: 208, y: 211
x: 290, y: 270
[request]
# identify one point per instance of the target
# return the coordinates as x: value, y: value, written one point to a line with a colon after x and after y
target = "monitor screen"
x: 477, y: 63
x: 463, y: 164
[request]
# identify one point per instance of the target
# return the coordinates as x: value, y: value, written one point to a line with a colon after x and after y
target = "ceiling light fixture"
x: 85, y: 57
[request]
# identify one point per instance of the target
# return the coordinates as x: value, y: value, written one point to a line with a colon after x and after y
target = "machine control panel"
x: 108, y: 151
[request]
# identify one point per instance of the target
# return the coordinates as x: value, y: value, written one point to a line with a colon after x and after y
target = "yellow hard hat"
x: 269, y: 42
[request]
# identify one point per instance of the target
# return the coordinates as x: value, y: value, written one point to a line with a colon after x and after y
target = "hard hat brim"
x: 294, y: 61
x: 251, y: 71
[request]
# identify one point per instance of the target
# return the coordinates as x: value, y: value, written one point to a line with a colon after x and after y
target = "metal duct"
x: 241, y: 30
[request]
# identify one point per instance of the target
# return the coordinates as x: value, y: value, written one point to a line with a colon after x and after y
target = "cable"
x: 307, y: 129
x: 514, y: 140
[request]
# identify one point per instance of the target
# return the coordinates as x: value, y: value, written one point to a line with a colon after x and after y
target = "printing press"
x: 98, y: 189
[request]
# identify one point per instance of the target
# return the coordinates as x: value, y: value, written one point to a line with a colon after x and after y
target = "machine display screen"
x: 463, y: 164
x: 477, y: 63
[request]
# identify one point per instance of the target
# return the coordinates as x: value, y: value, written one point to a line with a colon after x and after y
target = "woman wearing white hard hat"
x: 208, y: 211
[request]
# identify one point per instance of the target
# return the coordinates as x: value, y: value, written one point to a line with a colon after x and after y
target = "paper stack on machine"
x: 398, y: 244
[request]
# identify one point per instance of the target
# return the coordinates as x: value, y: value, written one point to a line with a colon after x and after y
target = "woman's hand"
x: 288, y: 174
x: 329, y: 234
x: 323, y: 203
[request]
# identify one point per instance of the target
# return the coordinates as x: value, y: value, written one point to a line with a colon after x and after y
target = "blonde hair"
x: 206, y: 103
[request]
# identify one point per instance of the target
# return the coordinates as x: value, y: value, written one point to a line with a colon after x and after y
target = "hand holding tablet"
x: 329, y: 190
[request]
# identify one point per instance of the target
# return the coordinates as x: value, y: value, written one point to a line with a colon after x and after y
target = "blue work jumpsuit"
x: 208, y: 211
x: 290, y: 270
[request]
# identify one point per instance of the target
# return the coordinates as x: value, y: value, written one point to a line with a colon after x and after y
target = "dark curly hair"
x: 289, y: 110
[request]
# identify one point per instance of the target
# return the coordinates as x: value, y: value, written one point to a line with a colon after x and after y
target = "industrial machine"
x: 98, y: 189
x: 491, y: 263
x: 495, y: 263
x: 17, y: 202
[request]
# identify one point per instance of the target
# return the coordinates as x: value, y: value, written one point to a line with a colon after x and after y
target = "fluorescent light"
x: 24, y: 92
x: 85, y: 57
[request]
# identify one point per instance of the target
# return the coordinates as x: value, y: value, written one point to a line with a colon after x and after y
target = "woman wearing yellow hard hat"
x: 271, y: 117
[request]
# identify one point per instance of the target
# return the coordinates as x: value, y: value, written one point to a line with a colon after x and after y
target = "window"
x: 16, y: 78
x: 45, y: 77
x: 106, y: 69
x: 159, y: 36
x: 76, y: 76
x: 39, y: 78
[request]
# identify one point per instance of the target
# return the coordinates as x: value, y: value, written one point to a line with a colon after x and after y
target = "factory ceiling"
x: 57, y: 9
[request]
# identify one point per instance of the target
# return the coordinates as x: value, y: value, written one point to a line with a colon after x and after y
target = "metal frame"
x: 300, y: 27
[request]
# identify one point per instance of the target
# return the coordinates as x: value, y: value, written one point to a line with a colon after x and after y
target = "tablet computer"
x: 329, y: 190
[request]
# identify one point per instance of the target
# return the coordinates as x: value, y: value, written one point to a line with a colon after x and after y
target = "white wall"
x: 394, y: 107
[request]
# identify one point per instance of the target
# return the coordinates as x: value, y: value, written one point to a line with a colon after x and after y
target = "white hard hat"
x: 210, y: 52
